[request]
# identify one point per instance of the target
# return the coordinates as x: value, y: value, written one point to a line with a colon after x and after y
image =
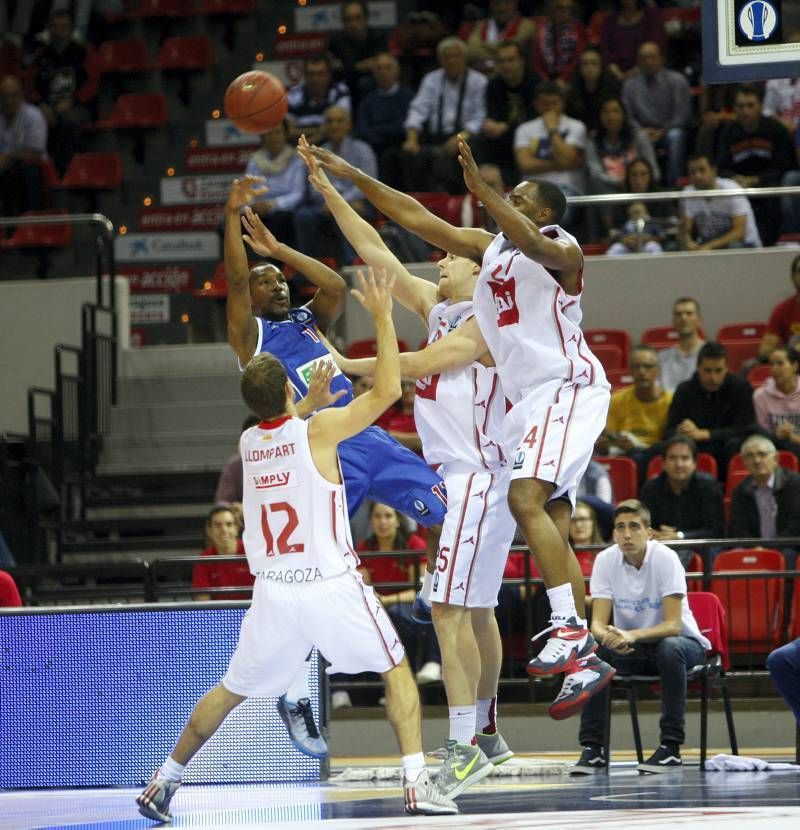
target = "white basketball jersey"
x: 295, y: 521
x: 459, y: 414
x: 531, y: 325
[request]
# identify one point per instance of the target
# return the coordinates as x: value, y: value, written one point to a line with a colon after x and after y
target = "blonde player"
x: 527, y: 313
x: 459, y: 417
x: 307, y: 591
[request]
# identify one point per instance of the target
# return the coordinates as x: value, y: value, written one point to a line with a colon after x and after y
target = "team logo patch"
x: 757, y: 21
x: 421, y: 507
x: 306, y: 369
x: 519, y: 460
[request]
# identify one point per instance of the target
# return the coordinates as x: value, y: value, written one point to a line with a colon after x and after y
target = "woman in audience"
x: 583, y: 527
x: 777, y: 402
x: 625, y: 30
x: 591, y: 85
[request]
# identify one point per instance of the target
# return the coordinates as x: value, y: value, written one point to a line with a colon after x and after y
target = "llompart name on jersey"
x: 268, y: 453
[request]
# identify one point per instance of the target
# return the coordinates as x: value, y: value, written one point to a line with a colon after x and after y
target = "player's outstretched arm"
x: 331, y: 426
x: 415, y: 294
x: 242, y: 327
x: 329, y: 300
x: 519, y: 229
x: 407, y: 211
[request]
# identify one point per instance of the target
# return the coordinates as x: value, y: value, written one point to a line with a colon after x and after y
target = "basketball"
x: 256, y: 102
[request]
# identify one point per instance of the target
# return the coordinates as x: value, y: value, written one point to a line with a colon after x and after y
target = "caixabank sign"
x: 166, y: 247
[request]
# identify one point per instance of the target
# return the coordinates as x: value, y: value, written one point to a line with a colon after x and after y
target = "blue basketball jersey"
x: 297, y: 345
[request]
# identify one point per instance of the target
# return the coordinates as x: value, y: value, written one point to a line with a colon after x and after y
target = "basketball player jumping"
x: 527, y: 314
x: 307, y: 592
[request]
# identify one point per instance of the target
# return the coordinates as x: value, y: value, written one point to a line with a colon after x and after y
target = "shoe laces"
x: 303, y: 709
x: 554, y: 626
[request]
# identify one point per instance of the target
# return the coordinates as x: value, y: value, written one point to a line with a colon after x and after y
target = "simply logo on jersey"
x: 757, y: 20
x: 269, y: 481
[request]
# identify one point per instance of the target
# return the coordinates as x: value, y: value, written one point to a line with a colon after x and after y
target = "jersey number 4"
x: 283, y: 544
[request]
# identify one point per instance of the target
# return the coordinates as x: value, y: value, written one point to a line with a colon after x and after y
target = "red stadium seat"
x: 741, y: 331
x: 660, y: 337
x: 186, y: 53
x: 162, y: 8
x: 734, y: 479
x: 586, y: 560
x: 622, y: 472
x: 224, y: 7
x: 612, y: 357
x: 369, y: 348
x: 93, y: 171
x: 740, y: 351
x: 610, y: 337
x: 619, y: 378
x: 754, y: 606
x: 122, y: 57
x: 40, y: 236
x: 694, y: 565
x: 758, y: 375
x: 136, y: 111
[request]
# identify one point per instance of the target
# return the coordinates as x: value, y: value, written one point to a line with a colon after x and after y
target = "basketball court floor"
x: 624, y: 799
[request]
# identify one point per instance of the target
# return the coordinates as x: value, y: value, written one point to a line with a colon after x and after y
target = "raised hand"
x: 472, y: 177
x: 319, y: 394
x: 258, y: 237
x: 376, y: 293
x: 245, y: 190
x: 316, y: 175
x: 335, y: 165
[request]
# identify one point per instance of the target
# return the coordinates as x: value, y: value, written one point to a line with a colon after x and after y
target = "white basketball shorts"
x: 342, y: 617
x: 476, y: 536
x: 550, y: 434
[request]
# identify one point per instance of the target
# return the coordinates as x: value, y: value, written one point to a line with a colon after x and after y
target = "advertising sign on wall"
x: 165, y: 247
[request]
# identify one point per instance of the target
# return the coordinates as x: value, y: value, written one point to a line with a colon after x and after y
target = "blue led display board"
x: 98, y: 696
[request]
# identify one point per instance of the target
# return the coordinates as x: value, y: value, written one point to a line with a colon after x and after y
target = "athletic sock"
x: 486, y: 715
x: 298, y: 688
x: 462, y: 724
x: 413, y: 766
x: 562, y: 602
x: 171, y: 770
x: 427, y: 587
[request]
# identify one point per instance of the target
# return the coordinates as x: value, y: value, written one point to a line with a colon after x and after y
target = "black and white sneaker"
x: 303, y: 733
x: 667, y: 757
x: 592, y: 761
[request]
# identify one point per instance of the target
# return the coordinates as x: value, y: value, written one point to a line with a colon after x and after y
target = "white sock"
x: 413, y: 766
x: 462, y: 723
x: 562, y: 602
x: 427, y: 587
x: 298, y: 688
x: 486, y: 715
x: 171, y: 770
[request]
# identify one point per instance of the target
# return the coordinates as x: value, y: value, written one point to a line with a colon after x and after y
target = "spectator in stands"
x: 60, y: 78
x: 783, y: 326
x: 229, y: 485
x: 657, y: 100
x: 713, y: 224
x: 414, y: 43
x: 222, y: 531
x: 783, y: 665
x: 591, y: 85
x: 400, y: 421
x: 312, y: 219
x: 683, y: 503
x: 509, y: 103
x: 382, y: 112
x: 714, y: 407
x: 389, y: 533
x: 756, y: 150
x: 777, y: 400
x: 558, y: 42
x: 678, y: 363
x: 355, y: 49
x: 309, y: 99
x: 277, y: 162
x: 625, y: 30
x: 637, y: 414
x: 716, y: 110
x: 552, y: 147
x: 640, y: 234
x: 9, y: 594
x: 23, y: 143
x: 503, y: 25
x: 449, y: 104
x: 782, y: 101
x: 595, y: 490
x: 583, y: 527
x: 642, y: 583
x: 767, y: 503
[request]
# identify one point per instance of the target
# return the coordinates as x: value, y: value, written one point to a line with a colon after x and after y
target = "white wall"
x: 35, y: 316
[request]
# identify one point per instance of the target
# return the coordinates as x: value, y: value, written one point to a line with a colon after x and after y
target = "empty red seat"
x: 623, y: 474
x: 187, y: 53
x: 93, y: 171
x: 162, y: 8
x: 758, y: 375
x: 740, y: 351
x: 619, y: 378
x: 611, y: 356
x: 224, y: 7
x: 136, y: 111
x: 609, y: 337
x: 741, y: 331
x: 660, y: 337
x: 122, y: 57
x: 44, y: 235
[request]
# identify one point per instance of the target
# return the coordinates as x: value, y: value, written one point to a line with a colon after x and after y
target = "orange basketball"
x: 256, y: 102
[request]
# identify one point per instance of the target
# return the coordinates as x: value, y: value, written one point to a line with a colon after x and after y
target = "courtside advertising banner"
x: 186, y: 190
x: 168, y: 279
x: 212, y: 159
x: 200, y: 218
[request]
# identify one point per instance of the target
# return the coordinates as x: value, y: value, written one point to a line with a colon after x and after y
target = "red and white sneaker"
x: 586, y: 678
x: 569, y: 642
x: 153, y: 801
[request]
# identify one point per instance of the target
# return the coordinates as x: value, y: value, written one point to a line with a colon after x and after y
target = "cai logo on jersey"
x: 504, y: 293
x: 305, y: 371
x: 757, y: 20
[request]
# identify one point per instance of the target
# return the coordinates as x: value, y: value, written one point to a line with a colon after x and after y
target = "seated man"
x: 641, y: 585
x: 683, y: 503
x: 222, y: 531
x: 711, y: 224
x: 309, y: 99
x: 767, y: 503
x: 679, y: 362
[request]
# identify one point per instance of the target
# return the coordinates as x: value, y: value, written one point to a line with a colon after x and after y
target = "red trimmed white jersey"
x: 295, y: 521
x: 531, y: 325
x: 459, y: 414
